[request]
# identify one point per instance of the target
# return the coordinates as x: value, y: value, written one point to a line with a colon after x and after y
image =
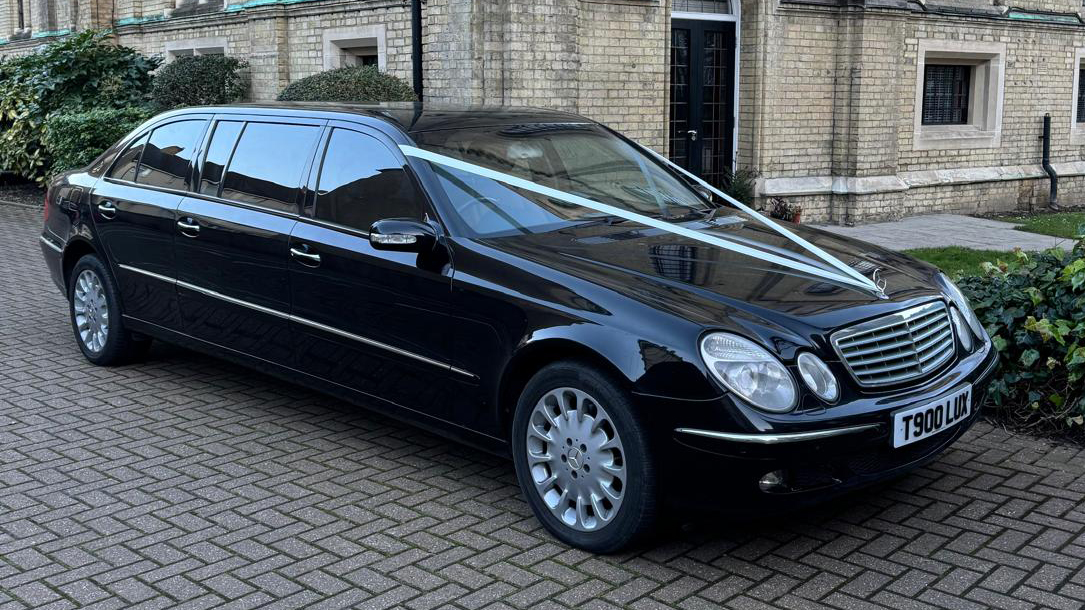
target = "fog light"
x: 963, y: 332
x: 773, y: 481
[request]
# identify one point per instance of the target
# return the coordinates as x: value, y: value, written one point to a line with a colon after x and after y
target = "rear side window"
x: 361, y: 182
x: 128, y: 161
x: 167, y: 157
x: 267, y: 164
x: 218, y: 155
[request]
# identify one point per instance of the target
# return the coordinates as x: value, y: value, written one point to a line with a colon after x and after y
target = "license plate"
x: 917, y: 423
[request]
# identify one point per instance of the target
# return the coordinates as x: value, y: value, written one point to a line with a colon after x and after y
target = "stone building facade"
x: 855, y: 109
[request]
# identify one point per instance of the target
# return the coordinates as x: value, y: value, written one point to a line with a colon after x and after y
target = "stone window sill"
x: 956, y: 137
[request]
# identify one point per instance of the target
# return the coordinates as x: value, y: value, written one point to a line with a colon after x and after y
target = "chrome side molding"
x: 305, y: 321
x: 51, y: 244
x: 775, y: 439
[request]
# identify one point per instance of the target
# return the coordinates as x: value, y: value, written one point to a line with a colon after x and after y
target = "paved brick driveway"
x: 186, y: 482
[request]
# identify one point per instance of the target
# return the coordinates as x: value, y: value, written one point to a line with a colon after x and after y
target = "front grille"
x: 899, y: 347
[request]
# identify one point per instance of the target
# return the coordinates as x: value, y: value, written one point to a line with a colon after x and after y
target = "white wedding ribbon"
x: 809, y: 247
x: 850, y: 277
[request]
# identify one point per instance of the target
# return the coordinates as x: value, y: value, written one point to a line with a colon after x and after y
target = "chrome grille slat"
x: 898, y: 347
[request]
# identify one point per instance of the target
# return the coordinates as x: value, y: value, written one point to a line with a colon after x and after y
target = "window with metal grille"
x: 945, y: 94
x: 703, y: 6
x: 1081, y: 95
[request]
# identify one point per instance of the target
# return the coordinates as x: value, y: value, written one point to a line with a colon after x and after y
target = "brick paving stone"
x: 185, y: 482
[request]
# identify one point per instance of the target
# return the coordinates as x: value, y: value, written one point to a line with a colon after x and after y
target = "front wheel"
x: 96, y: 316
x: 582, y: 458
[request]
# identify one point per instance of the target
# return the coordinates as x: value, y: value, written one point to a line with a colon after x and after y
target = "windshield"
x: 582, y: 159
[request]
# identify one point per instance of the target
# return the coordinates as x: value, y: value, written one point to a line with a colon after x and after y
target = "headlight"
x: 818, y: 377
x: 749, y: 370
x: 963, y: 333
x: 961, y: 302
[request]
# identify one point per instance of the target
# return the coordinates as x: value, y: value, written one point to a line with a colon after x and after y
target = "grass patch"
x: 957, y: 261
x: 1062, y: 224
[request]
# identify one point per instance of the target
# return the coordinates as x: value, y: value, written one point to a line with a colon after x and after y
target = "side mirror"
x: 402, y: 235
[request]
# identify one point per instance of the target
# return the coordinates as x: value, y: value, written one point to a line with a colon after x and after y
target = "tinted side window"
x: 267, y: 165
x: 218, y: 155
x: 168, y: 154
x: 125, y: 167
x: 362, y: 182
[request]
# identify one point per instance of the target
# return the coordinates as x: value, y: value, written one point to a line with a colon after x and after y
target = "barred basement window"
x: 945, y: 94
x: 1081, y: 95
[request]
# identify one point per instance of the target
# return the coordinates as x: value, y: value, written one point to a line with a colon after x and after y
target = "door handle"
x: 692, y: 133
x: 305, y: 257
x: 107, y: 210
x: 188, y: 227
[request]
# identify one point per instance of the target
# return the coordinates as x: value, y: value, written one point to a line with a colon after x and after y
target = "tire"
x: 93, y: 297
x: 618, y: 505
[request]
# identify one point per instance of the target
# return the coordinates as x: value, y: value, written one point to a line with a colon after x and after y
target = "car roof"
x: 409, y: 117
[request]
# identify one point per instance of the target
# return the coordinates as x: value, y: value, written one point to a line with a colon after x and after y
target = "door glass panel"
x: 168, y: 155
x: 218, y: 155
x: 680, y: 72
x: 716, y: 108
x: 125, y: 167
x: 267, y: 165
x: 361, y: 182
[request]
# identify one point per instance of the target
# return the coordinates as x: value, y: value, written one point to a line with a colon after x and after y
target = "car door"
x: 133, y: 209
x: 233, y: 232
x: 372, y: 320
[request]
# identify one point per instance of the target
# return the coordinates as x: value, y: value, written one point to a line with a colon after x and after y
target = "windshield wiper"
x: 607, y: 219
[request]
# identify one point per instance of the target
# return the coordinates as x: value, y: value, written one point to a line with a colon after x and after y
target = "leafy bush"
x: 741, y: 184
x: 74, y: 139
x: 358, y: 84
x: 1034, y: 309
x: 80, y: 72
x: 199, y: 81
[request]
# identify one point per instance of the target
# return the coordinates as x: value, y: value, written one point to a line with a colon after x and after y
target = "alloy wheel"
x: 91, y: 310
x: 576, y: 459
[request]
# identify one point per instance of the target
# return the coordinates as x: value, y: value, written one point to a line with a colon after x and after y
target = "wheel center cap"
x: 574, y: 458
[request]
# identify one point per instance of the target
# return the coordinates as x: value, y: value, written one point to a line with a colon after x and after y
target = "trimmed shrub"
x: 358, y: 84
x: 80, y: 72
x: 1034, y: 309
x: 741, y: 184
x: 199, y: 80
x: 75, y: 139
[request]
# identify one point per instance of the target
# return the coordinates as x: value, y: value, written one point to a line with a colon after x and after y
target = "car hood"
x: 696, y: 279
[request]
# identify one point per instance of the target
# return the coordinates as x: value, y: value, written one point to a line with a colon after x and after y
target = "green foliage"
x: 741, y: 184
x: 358, y: 84
x: 199, y: 80
x: 80, y: 72
x: 1034, y: 309
x: 74, y: 139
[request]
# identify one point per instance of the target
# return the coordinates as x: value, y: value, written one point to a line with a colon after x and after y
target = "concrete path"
x: 938, y: 230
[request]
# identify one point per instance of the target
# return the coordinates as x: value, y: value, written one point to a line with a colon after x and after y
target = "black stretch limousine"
x: 622, y: 364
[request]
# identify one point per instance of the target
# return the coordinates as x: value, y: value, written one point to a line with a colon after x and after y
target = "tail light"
x: 48, y: 204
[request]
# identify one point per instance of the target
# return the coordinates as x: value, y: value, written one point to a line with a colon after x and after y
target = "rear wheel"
x: 583, y: 459
x: 96, y: 316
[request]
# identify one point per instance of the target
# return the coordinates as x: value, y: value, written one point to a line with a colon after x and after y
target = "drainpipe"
x: 1053, y: 197
x: 416, y: 46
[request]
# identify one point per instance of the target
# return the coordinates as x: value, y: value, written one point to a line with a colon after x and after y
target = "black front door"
x: 371, y: 320
x: 703, y: 98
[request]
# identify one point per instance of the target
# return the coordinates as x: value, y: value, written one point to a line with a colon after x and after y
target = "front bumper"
x: 818, y: 455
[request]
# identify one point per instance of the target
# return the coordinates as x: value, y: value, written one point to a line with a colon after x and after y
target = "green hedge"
x: 75, y: 139
x: 358, y: 84
x: 199, y: 81
x: 1034, y: 309
x: 83, y: 71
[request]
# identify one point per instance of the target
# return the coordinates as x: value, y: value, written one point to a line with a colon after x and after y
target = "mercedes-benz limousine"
x: 533, y: 284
